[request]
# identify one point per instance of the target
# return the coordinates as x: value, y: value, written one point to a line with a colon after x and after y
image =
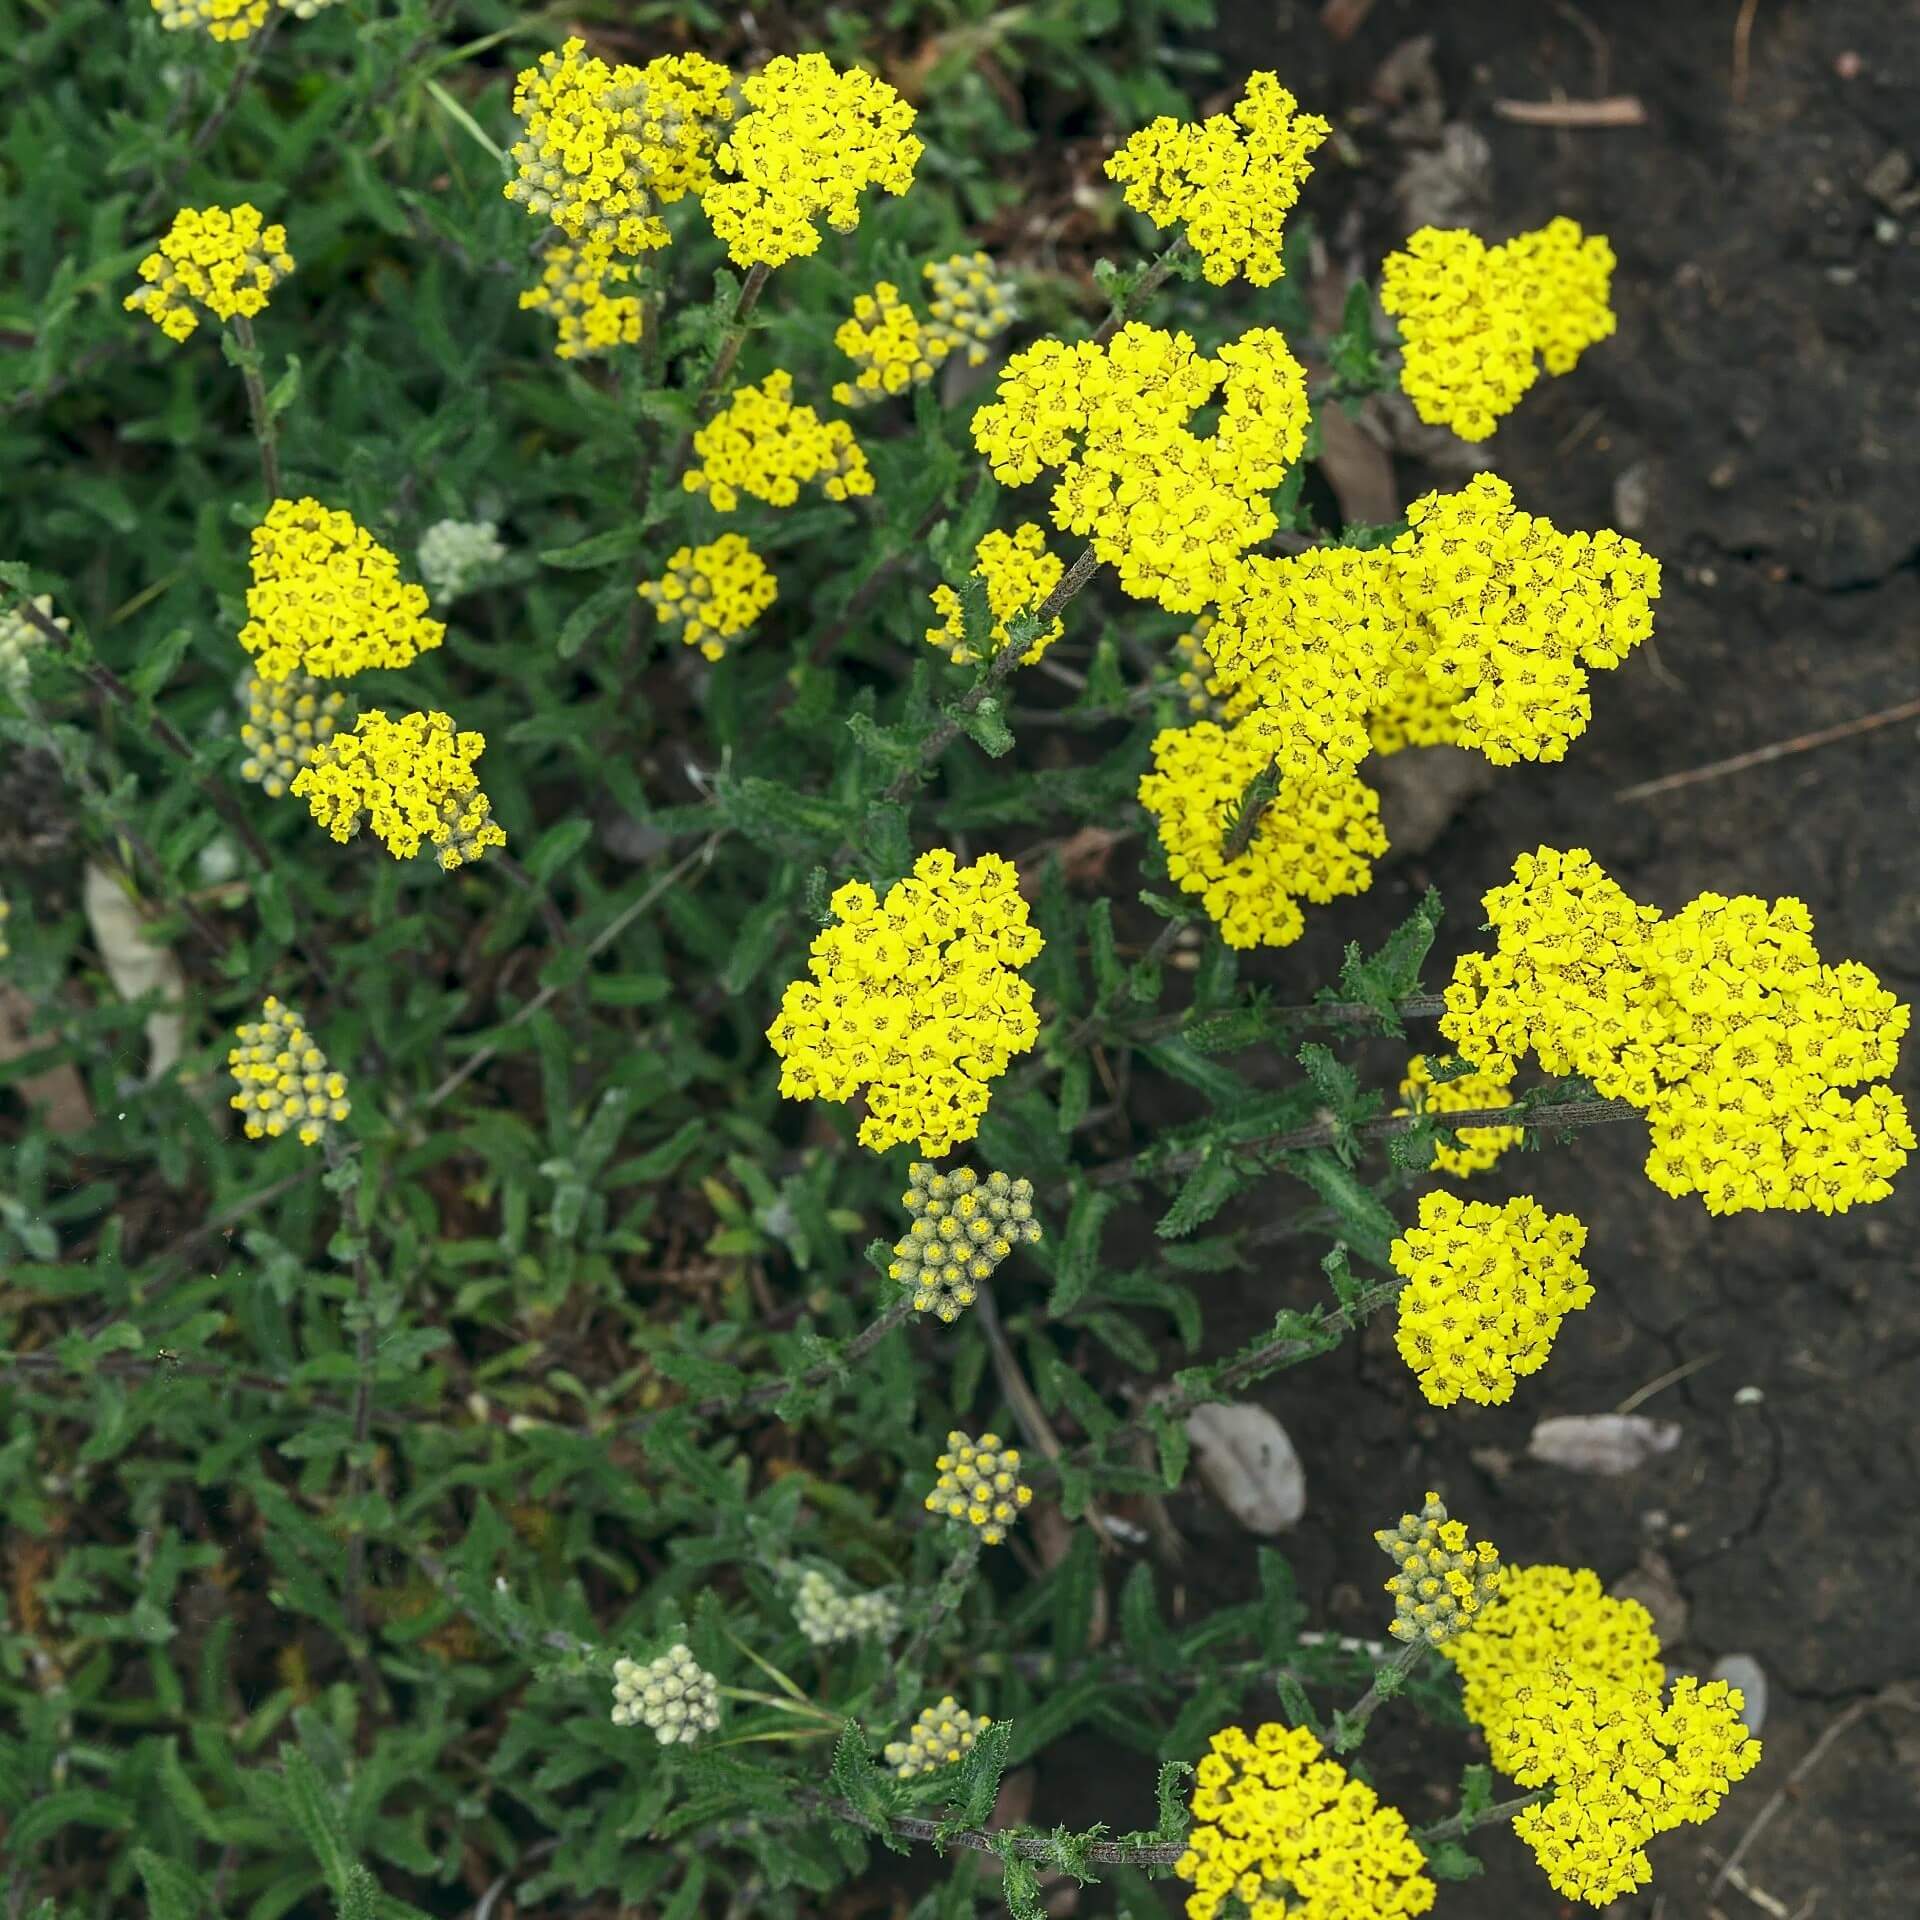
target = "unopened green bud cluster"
x: 962, y: 1229
x: 674, y: 1696
x: 1440, y: 1582
x: 827, y: 1615
x: 937, y: 1739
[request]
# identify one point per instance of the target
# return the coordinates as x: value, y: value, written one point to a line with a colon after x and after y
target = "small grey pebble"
x: 1743, y: 1671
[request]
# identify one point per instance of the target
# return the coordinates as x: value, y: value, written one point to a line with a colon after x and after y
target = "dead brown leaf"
x: 68, y: 1110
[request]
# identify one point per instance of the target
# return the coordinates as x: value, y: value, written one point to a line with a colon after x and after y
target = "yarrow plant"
x: 610, y: 1277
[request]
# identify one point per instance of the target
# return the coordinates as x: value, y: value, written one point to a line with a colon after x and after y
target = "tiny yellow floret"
x: 220, y: 261
x: 218, y: 19
x: 890, y: 349
x: 970, y: 302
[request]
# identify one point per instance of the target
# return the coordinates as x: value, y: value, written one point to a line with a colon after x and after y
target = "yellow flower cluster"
x: 1019, y: 573
x: 1415, y: 713
x: 1479, y: 1147
x: 1545, y: 1616
x: 1504, y: 612
x: 286, y: 721
x: 939, y: 1737
x: 413, y: 777
x: 283, y: 1078
x: 218, y: 19
x: 574, y: 291
x: 980, y: 1485
x: 761, y: 444
x: 1487, y: 1288
x: 1282, y: 1827
x: 217, y: 260
x: 815, y: 141
x: 1568, y: 1686
x: 1473, y: 317
x: 1624, y: 1766
x: 604, y: 148
x: 1309, y: 644
x: 914, y: 999
x: 1229, y: 180
x: 962, y: 1230
x: 1439, y: 1583
x: 1721, y: 1023
x: 887, y: 344
x: 713, y: 593
x: 1315, y: 840
x: 970, y: 304
x: 327, y: 599
x: 1172, y: 513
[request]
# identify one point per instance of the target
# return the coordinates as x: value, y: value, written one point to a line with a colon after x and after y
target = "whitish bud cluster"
x: 938, y: 1738
x: 1441, y: 1582
x: 980, y: 1485
x: 19, y: 640
x: 456, y: 555
x: 674, y: 1696
x: 963, y: 1227
x: 827, y: 1615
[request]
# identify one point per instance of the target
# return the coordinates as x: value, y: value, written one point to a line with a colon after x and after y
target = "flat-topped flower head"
x: 1473, y: 318
x: 604, y: 148
x: 1487, y: 1289
x: 220, y: 262
x: 1284, y: 1833
x: 980, y: 1486
x: 712, y: 594
x: 890, y: 349
x: 1624, y: 1765
x: 914, y: 1000
x: 1171, y: 512
x: 585, y: 290
x: 829, y: 1615
x: 942, y: 1736
x: 674, y: 1697
x: 412, y: 778
x: 761, y: 443
x: 815, y: 138
x: 217, y: 19
x: 963, y: 1227
x: 1545, y: 1616
x: 327, y: 599
x: 1229, y: 181
x: 1019, y: 573
x: 1315, y: 840
x: 1721, y: 1023
x: 1440, y: 1580
x: 284, y: 1082
x: 970, y: 303
x: 1475, y: 1148
x: 1505, y: 613
x: 287, y: 722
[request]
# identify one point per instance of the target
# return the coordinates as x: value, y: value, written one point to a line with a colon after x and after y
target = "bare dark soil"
x: 1756, y: 422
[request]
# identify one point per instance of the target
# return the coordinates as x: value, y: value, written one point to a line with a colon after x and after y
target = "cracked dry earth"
x: 1756, y: 421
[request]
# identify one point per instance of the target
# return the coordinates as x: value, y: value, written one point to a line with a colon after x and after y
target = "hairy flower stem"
x: 1253, y: 803
x: 1459, y: 1825
x: 1142, y: 289
x: 946, y: 1595
x: 1351, y: 1727
x: 352, y: 1593
x: 730, y: 344
x: 953, y: 723
x: 1023, y: 1846
x: 263, y: 428
x: 1569, y: 1114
